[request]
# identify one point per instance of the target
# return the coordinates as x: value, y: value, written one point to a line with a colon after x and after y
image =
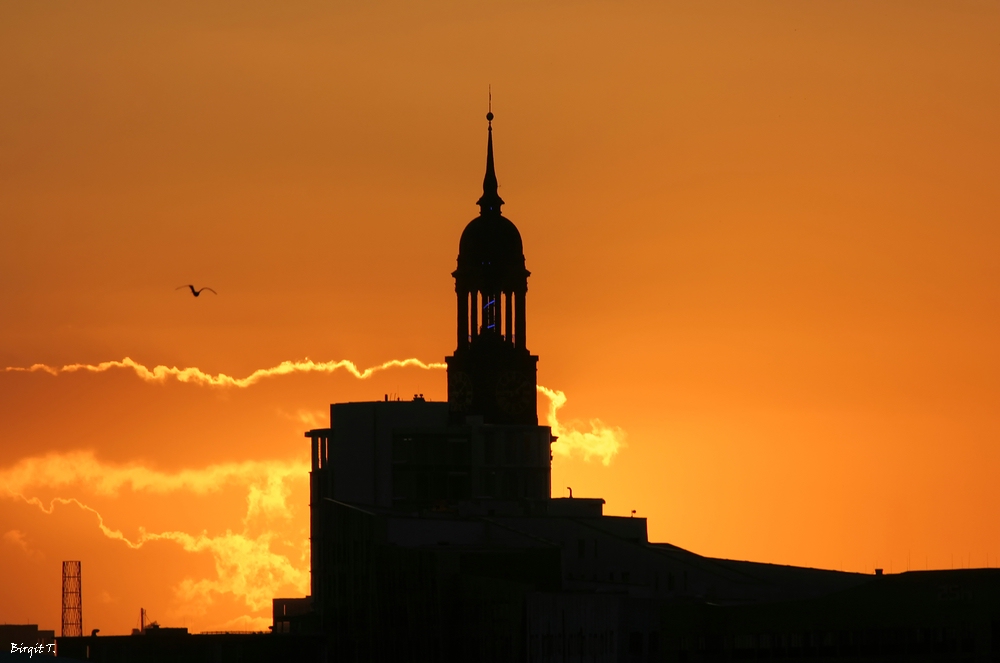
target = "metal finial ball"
x: 489, y: 117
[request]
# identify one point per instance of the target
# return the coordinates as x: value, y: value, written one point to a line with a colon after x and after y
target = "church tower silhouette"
x: 492, y: 373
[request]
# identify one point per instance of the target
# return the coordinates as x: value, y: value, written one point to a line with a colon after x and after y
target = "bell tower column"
x: 475, y: 314
x: 463, y: 316
x: 519, y: 319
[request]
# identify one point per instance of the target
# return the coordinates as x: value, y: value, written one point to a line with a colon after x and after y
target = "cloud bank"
x: 245, y: 564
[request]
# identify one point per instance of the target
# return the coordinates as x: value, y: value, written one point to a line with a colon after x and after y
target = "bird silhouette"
x: 195, y: 292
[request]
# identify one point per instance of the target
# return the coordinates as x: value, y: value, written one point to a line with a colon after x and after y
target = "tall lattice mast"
x: 72, y: 600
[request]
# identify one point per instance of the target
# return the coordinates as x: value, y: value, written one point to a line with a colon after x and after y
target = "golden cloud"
x: 245, y: 565
x: 197, y: 376
x: 56, y: 470
x: 601, y: 441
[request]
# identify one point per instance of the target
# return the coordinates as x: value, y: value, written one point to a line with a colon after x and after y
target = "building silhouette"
x: 434, y: 537
x: 22, y: 637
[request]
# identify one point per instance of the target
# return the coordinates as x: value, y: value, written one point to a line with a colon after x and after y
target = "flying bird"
x: 195, y: 292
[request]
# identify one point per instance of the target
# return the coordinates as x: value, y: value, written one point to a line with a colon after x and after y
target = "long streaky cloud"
x: 197, y: 376
x: 601, y: 441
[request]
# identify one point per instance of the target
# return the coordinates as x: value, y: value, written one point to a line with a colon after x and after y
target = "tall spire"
x: 491, y: 200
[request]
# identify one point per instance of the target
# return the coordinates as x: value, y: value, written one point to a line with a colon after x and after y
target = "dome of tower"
x: 490, y: 242
x: 490, y: 239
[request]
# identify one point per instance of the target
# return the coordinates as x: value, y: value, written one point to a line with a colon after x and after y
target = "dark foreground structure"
x: 435, y: 538
x: 172, y: 645
x: 26, y: 641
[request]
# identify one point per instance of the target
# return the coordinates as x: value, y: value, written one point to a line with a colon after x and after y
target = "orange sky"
x: 763, y: 239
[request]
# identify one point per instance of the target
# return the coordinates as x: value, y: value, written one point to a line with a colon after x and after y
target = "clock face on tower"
x: 459, y: 391
x: 515, y: 393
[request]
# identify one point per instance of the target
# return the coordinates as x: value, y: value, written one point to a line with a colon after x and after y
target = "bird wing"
x: 181, y: 287
x: 210, y: 290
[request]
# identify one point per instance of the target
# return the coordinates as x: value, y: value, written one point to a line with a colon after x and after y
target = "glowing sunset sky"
x: 763, y: 238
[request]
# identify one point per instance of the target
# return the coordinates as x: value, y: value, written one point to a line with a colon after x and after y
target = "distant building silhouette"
x: 435, y: 538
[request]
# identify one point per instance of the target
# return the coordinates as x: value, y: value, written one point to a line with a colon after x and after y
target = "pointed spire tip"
x: 491, y: 200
